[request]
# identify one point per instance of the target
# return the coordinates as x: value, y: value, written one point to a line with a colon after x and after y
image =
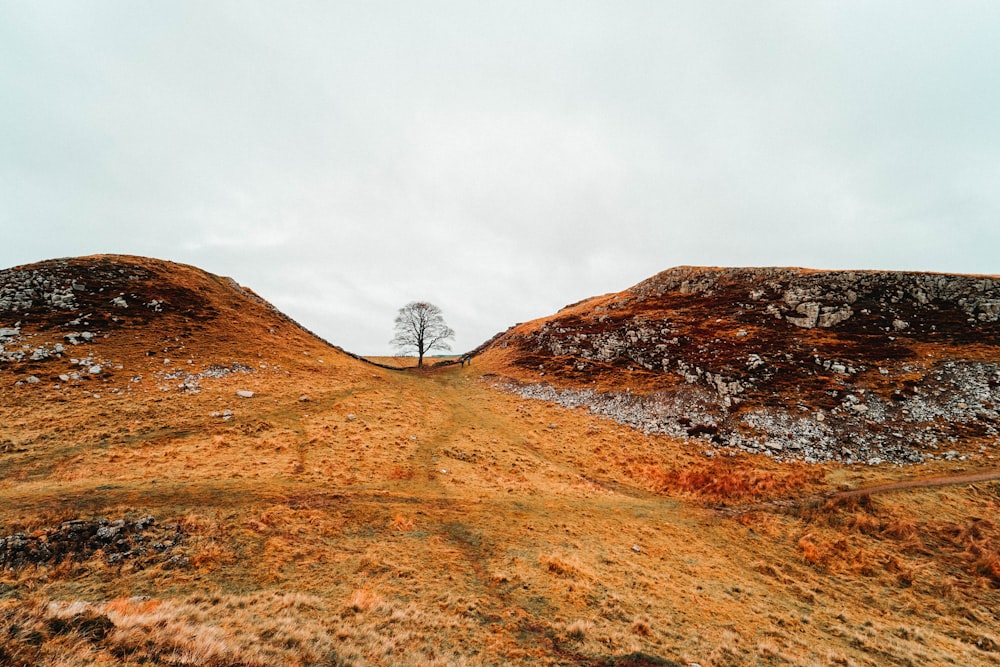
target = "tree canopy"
x: 420, y: 328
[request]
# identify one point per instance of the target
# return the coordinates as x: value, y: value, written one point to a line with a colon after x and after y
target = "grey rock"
x: 810, y: 315
x: 106, y: 533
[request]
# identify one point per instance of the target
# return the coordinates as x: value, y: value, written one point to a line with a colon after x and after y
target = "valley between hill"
x: 228, y: 489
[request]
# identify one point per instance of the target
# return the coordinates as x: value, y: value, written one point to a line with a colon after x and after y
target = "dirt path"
x: 466, y: 408
x: 918, y: 483
x: 468, y: 403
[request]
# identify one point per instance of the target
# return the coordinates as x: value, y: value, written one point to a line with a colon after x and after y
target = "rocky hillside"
x: 118, y: 324
x: 188, y: 476
x: 854, y: 366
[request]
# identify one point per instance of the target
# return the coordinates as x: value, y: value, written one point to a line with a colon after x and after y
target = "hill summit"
x: 854, y: 366
x: 125, y: 323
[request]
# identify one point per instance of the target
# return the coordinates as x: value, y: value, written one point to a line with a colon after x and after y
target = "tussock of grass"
x: 901, y: 544
x: 247, y: 631
x: 579, y: 629
x: 564, y: 565
x: 402, y: 524
x: 363, y: 599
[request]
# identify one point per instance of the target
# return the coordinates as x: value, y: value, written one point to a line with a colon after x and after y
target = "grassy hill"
x: 346, y: 514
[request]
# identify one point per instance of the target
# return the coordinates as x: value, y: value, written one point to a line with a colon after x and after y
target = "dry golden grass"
x: 736, y: 479
x: 397, y: 518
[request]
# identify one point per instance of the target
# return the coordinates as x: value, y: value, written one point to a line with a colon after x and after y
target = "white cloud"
x: 500, y: 160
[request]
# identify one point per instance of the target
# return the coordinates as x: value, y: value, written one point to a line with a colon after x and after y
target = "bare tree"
x: 421, y: 328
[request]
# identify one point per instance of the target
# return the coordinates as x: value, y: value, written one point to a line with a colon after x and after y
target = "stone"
x: 810, y: 315
x: 833, y: 318
x: 244, y: 393
x: 64, y: 378
x: 107, y: 532
x: 95, y: 370
x: 33, y: 380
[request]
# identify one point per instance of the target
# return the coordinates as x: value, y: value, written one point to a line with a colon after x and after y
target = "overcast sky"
x: 500, y: 159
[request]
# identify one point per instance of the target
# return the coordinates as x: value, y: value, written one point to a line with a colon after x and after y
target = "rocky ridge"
x: 852, y: 366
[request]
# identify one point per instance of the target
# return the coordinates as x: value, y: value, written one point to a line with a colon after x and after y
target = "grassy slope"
x: 314, y: 536
x: 448, y: 523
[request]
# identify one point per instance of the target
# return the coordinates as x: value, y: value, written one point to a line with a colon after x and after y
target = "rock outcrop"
x: 853, y: 366
x: 138, y: 540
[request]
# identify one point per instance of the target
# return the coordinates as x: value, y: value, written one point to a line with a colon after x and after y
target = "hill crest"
x: 124, y: 321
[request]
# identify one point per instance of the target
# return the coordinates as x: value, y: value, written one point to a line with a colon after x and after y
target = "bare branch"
x: 420, y: 328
